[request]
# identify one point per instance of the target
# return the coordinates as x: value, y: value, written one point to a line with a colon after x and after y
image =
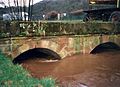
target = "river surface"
x: 81, y: 70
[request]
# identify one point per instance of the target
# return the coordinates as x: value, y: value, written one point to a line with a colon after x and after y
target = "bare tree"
x: 29, y: 8
x: 24, y: 8
x: 9, y: 6
x: 20, y: 9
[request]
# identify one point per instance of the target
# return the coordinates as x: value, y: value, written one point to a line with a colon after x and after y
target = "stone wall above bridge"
x: 55, y: 28
x: 62, y: 45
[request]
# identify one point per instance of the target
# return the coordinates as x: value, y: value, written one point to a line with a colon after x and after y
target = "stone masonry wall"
x: 55, y: 28
x: 63, y: 45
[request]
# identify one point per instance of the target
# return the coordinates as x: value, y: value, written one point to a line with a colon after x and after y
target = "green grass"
x: 15, y: 76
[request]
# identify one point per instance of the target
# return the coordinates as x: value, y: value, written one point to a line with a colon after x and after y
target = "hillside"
x: 61, y: 6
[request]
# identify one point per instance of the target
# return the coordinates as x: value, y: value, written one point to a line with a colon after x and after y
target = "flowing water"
x: 81, y: 70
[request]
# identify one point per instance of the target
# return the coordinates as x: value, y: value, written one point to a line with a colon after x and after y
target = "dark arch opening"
x: 36, y: 53
x: 104, y: 47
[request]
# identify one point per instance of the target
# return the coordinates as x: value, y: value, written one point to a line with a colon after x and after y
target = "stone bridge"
x: 64, y: 41
x: 58, y: 46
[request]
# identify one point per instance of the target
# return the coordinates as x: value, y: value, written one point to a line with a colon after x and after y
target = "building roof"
x: 2, y: 5
x: 103, y: 1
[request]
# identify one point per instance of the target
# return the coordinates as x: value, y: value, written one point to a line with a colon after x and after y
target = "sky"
x: 12, y: 2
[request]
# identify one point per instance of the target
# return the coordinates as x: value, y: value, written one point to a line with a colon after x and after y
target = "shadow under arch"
x: 36, y: 53
x: 108, y: 46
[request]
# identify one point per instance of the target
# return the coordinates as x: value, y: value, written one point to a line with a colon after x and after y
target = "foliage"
x: 61, y: 6
x: 48, y: 82
x: 52, y: 28
x: 15, y: 76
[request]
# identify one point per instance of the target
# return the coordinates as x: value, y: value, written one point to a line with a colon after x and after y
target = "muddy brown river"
x: 81, y: 70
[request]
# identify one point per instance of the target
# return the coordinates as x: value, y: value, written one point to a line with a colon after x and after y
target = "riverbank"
x: 15, y: 76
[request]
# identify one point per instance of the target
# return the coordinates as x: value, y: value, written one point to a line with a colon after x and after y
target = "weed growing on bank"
x: 15, y: 76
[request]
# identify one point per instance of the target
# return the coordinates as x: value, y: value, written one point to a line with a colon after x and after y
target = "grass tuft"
x: 15, y: 76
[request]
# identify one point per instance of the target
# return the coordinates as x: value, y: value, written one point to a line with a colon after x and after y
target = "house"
x: 2, y: 5
x: 15, y: 16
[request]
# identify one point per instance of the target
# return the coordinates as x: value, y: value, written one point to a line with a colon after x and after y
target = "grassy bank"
x: 15, y: 76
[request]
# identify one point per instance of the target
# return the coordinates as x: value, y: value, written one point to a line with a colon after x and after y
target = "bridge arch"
x: 36, y: 53
x: 107, y: 46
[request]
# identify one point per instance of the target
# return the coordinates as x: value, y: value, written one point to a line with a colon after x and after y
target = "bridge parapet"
x: 55, y: 28
x: 62, y: 45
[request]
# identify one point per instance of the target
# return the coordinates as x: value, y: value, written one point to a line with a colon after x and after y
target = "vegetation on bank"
x: 15, y: 76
